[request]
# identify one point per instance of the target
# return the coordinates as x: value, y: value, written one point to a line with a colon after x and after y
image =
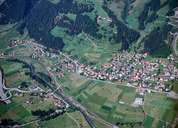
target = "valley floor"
x: 102, y: 102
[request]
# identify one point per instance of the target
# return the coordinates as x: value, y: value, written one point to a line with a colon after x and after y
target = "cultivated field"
x: 68, y: 120
x: 113, y: 102
x: 110, y: 101
x: 160, y: 110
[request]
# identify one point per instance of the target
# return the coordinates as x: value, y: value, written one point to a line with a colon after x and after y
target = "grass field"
x: 14, y: 111
x: 19, y: 51
x: 113, y: 102
x: 19, y: 110
x: 73, y: 83
x: 79, y: 119
x: 101, y: 124
x: 160, y: 110
x: 103, y: 98
x: 68, y: 120
x: 85, y: 48
x: 129, y: 114
x: 37, y: 102
x: 128, y: 95
x: 9, y: 32
x: 10, y: 67
x: 14, y: 73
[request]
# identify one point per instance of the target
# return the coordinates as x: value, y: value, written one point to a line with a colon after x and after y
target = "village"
x: 133, y: 68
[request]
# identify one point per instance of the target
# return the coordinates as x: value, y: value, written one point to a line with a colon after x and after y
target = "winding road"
x: 58, y: 91
x: 2, y: 93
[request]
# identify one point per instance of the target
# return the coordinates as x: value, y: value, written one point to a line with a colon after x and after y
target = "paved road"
x: 68, y: 99
x: 61, y: 94
x: 88, y: 115
x: 2, y: 94
x: 72, y: 102
x: 169, y: 94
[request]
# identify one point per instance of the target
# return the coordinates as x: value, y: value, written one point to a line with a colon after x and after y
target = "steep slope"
x: 125, y: 24
x: 15, y: 10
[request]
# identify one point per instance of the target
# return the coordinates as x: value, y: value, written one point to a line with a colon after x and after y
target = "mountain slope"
x: 125, y: 24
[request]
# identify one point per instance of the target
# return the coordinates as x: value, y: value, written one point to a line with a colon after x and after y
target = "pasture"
x: 159, y: 110
x: 68, y: 120
x: 103, y: 98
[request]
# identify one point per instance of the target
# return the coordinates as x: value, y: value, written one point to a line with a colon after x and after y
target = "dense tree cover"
x: 130, y: 124
x: 38, y: 76
x: 125, y: 11
x: 7, y: 123
x: 82, y: 23
x: 15, y: 10
x: 38, y: 79
x: 42, y: 113
x: 153, y: 42
x: 42, y: 19
x: 44, y: 16
x: 53, y: 116
x: 47, y: 115
x: 25, y: 84
x: 124, y: 34
x: 70, y: 6
x: 149, y: 13
x: 44, y: 76
x: 172, y: 4
x: 156, y: 40
x: 39, y: 23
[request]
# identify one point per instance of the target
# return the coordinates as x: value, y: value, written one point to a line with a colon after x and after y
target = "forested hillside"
x: 125, y: 24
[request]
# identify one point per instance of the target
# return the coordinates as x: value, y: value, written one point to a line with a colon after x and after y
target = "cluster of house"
x: 69, y: 65
x: 14, y: 43
x: 57, y: 102
x: 133, y: 68
x: 37, y: 52
x: 57, y: 71
x: 100, y: 18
